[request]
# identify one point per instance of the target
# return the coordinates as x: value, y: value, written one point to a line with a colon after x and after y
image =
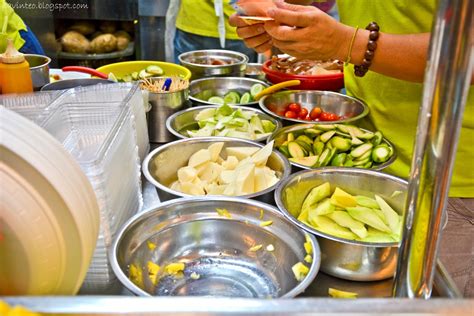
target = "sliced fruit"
x: 300, y: 271
x: 315, y: 195
x: 305, y: 161
x: 246, y: 98
x: 368, y: 216
x: 343, y: 199
x: 341, y: 294
x: 232, y: 98
x: 216, y: 100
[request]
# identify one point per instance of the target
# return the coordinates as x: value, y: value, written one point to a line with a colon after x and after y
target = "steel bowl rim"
x: 298, y: 289
x: 146, y: 162
x: 197, y: 81
x: 309, y: 229
x: 172, y: 118
x: 364, y: 113
x: 46, y: 63
x: 295, y: 127
x: 244, y: 58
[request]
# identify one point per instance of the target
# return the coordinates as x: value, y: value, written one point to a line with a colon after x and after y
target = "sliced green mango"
x: 305, y: 161
x: 330, y: 227
x: 369, y: 217
x: 391, y: 216
x: 315, y: 195
x: 366, y: 201
x: 375, y: 235
x: 343, y: 199
x: 324, y: 207
x: 345, y: 220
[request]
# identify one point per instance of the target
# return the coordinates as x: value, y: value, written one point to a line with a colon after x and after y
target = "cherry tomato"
x: 295, y: 107
x: 325, y: 116
x: 315, y: 112
x: 303, y: 113
x: 307, y: 118
x: 291, y: 114
x: 333, y: 117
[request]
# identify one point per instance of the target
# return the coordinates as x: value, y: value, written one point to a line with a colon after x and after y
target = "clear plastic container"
x: 33, y: 106
x: 101, y: 138
x: 127, y: 94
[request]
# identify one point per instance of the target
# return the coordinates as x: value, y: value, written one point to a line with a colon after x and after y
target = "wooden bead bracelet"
x: 362, y: 69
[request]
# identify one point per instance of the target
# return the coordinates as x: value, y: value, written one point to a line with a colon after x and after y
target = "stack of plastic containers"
x: 100, y: 127
x: 126, y: 93
x: 101, y: 138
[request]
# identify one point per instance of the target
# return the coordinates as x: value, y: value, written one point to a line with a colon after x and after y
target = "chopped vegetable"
x: 300, y: 271
x: 223, y: 212
x: 135, y: 275
x: 255, y: 248
x: 308, y: 259
x: 341, y: 294
x: 150, y: 245
x: 335, y: 145
x: 195, y: 276
x: 174, y: 268
x: 270, y: 248
x: 261, y: 214
x: 153, y: 270
x: 267, y: 223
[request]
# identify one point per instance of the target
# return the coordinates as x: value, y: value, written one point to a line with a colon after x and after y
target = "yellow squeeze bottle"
x: 15, y: 76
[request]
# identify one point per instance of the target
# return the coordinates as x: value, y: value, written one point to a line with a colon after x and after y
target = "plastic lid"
x: 11, y: 55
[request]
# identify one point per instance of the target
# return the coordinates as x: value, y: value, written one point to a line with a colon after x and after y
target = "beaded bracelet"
x: 362, y: 69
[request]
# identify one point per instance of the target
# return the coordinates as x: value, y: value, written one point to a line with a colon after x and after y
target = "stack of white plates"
x: 49, y: 216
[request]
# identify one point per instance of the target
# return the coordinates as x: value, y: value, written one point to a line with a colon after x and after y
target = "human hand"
x: 255, y: 7
x: 254, y: 36
x: 308, y: 33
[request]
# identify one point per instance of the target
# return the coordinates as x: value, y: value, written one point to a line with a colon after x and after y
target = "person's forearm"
x: 399, y: 56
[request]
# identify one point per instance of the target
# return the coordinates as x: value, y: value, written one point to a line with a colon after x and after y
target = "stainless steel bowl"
x: 180, y: 122
x: 349, y: 108
x: 39, y: 69
x: 280, y: 137
x: 215, y: 250
x: 348, y: 259
x: 162, y: 106
x: 202, y: 89
x: 254, y: 70
x: 161, y: 165
x: 74, y: 83
x: 235, y: 67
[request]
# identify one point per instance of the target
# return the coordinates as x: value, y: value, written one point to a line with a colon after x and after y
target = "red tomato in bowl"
x: 315, y: 113
x: 291, y: 114
x: 295, y: 107
x: 303, y: 113
x: 326, y: 116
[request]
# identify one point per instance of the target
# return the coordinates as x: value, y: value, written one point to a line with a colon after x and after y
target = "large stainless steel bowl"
x: 280, y: 137
x: 202, y: 89
x: 348, y: 259
x: 194, y: 61
x: 179, y: 123
x: 215, y: 250
x: 161, y: 165
x: 350, y: 109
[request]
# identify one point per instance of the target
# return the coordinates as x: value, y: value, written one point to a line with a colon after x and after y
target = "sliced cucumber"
x: 154, y: 70
x: 216, y: 100
x: 232, y: 98
x: 246, y: 98
x: 305, y: 139
x: 340, y: 143
x: 318, y: 147
x: 295, y: 150
x: 284, y: 150
x: 338, y: 160
x: 144, y: 74
x: 378, y: 137
x: 360, y: 150
x: 326, y: 127
x: 381, y: 154
x: 256, y: 89
x: 327, y: 136
x: 305, y: 161
x: 312, y: 132
x: 290, y: 137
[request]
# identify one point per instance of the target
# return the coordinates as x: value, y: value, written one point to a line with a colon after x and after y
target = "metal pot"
x: 163, y: 105
x: 39, y: 69
x: 348, y: 259
x: 74, y: 83
x: 160, y: 167
x: 195, y: 62
x: 215, y: 250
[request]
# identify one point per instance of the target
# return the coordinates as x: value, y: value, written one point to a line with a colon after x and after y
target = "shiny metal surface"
x: 161, y: 165
x: 348, y: 259
x: 178, y: 123
x: 162, y: 106
x: 281, y: 136
x: 254, y: 70
x: 236, y: 67
x: 352, y: 109
x: 216, y: 248
x: 39, y: 69
x: 447, y: 79
x: 74, y: 83
x: 202, y: 89
x: 209, y: 306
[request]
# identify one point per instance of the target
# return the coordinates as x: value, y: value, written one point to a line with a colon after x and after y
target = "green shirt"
x: 393, y: 103
x: 14, y: 25
x: 199, y: 17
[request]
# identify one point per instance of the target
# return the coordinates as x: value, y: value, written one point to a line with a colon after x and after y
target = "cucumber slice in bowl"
x: 256, y: 89
x: 232, y: 98
x: 216, y: 100
x: 246, y: 98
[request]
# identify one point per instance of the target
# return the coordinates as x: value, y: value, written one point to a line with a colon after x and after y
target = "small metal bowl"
x: 236, y: 63
x: 161, y: 165
x: 280, y: 137
x: 254, y: 70
x: 179, y: 123
x: 348, y: 259
x: 39, y: 69
x: 202, y: 89
x: 349, y: 108
x: 215, y: 250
